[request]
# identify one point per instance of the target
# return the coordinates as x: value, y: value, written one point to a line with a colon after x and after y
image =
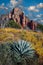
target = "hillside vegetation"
x: 10, y: 34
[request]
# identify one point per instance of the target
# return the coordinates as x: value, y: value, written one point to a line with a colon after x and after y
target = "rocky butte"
x: 18, y: 16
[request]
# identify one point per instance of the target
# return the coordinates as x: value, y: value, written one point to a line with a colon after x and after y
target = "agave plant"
x: 17, y: 53
x: 22, y: 50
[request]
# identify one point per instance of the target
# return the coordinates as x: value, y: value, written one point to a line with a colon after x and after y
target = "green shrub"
x: 13, y: 24
x: 40, y: 27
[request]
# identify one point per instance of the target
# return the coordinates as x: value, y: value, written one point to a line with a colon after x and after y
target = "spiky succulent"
x: 23, y: 49
x: 16, y: 52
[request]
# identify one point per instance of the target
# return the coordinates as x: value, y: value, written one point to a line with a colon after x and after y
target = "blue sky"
x: 32, y: 8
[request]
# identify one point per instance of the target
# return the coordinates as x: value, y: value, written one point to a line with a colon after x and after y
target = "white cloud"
x: 2, y: 4
x: 40, y: 5
x: 33, y: 8
x: 41, y: 20
x: 40, y: 15
x: 14, y: 3
x: 35, y: 19
x: 3, y: 7
x: 6, y: 8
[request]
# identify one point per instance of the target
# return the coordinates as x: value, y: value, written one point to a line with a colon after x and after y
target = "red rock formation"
x: 33, y: 25
x: 18, y: 16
